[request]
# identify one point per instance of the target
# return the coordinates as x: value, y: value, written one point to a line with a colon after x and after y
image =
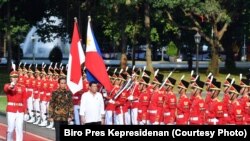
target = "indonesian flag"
x: 76, y: 59
x: 95, y: 66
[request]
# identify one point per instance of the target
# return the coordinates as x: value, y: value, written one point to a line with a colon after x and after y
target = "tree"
x: 147, y: 29
x: 121, y: 24
x: 203, y: 17
x: 15, y: 19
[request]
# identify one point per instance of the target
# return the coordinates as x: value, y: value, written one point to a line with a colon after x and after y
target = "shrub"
x: 172, y: 50
x: 55, y: 55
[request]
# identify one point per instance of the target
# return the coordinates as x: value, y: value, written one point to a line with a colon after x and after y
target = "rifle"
x: 165, y: 80
x: 123, y: 88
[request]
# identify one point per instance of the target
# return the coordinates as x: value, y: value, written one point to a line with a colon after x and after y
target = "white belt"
x: 136, y: 101
x: 35, y: 91
x: 75, y: 97
x: 180, y: 116
x: 41, y: 92
x: 167, y: 114
x: 28, y: 89
x: 48, y: 94
x: 194, y: 118
x: 139, y: 111
x: 15, y: 104
x: 213, y: 120
x: 152, y: 111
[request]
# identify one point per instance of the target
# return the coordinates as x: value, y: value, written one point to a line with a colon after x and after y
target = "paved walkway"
x: 31, y: 132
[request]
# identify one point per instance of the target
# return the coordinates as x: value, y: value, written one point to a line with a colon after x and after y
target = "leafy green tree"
x: 201, y: 16
x: 16, y: 18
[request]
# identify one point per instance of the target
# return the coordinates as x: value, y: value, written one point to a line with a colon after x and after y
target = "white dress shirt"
x: 92, y: 107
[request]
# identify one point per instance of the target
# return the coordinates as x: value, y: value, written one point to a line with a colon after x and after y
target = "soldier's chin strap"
x: 232, y: 97
x: 195, y: 92
x: 244, y: 89
x: 226, y: 89
x: 214, y: 94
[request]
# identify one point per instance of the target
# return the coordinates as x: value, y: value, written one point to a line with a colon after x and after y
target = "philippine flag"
x: 76, y: 59
x: 95, y: 66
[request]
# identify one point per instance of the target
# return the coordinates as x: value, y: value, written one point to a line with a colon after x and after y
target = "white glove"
x: 130, y: 97
x: 105, y: 94
x: 12, y: 84
x: 111, y: 101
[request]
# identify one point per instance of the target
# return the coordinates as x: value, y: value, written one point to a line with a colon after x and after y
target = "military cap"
x: 123, y: 76
x: 199, y: 84
x: 171, y: 81
x: 183, y: 84
x: 245, y: 83
x: 158, y: 79
x: 215, y: 85
x: 145, y: 80
x: 147, y: 73
x: 235, y: 89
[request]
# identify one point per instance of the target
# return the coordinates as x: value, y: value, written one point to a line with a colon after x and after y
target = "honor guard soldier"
x: 110, y: 103
x: 120, y: 99
x: 236, y: 112
x: 184, y: 103
x: 16, y: 106
x: 197, y: 110
x: 30, y: 85
x: 43, y: 102
x: 208, y: 100
x: 133, y: 98
x: 156, y: 101
x: 170, y: 102
x: 37, y: 89
x: 24, y: 83
x: 226, y: 97
x: 244, y: 100
x: 144, y: 99
x: 248, y: 104
x: 215, y: 108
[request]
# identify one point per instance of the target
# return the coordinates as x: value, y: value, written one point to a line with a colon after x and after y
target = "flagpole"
x: 76, y: 59
x: 80, y: 35
x: 89, y: 18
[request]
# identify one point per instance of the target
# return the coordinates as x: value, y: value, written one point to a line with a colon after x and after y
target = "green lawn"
x: 3, y: 103
x: 4, y: 78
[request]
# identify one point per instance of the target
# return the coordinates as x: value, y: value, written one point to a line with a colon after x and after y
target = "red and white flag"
x: 76, y: 59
